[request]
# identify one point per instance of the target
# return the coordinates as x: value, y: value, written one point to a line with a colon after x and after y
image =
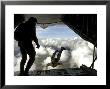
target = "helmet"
x: 32, y: 19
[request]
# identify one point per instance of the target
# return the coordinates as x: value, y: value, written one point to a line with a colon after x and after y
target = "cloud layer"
x: 78, y: 52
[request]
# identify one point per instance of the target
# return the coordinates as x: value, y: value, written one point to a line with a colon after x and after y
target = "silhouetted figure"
x: 25, y: 33
x: 55, y: 60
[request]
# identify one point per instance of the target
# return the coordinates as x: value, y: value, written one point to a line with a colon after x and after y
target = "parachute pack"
x: 19, y: 32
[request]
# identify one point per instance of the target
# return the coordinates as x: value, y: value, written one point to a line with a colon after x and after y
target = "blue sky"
x: 55, y: 31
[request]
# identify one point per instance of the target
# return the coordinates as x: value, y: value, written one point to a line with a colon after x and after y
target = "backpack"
x: 19, y: 32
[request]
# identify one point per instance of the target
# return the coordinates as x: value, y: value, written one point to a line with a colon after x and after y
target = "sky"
x: 55, y: 31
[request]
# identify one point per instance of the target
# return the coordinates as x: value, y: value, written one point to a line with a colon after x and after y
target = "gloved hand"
x: 38, y: 46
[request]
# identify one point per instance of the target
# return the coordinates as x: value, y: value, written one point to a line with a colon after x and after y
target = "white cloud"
x: 78, y: 52
x: 38, y: 28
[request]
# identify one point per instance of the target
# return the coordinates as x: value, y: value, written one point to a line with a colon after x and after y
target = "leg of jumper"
x: 53, y: 56
x: 31, y: 53
x: 59, y: 55
x: 23, y: 60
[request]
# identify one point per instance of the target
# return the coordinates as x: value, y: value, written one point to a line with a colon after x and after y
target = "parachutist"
x: 25, y: 33
x: 55, y: 61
